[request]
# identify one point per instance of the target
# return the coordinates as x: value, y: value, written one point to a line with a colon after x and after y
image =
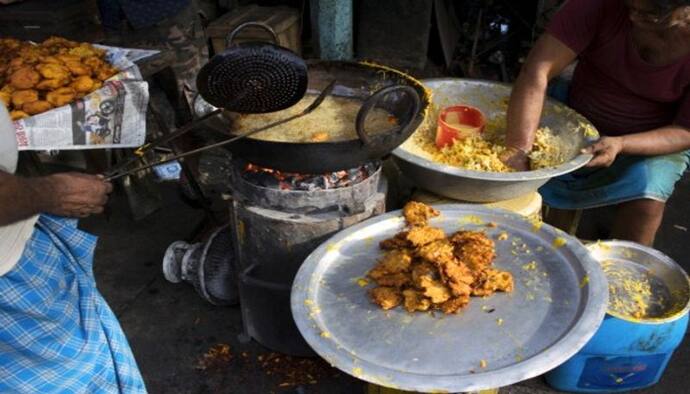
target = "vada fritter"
x: 21, y: 97
x: 35, y: 78
x: 418, y: 214
x: 24, y: 78
x: 423, y: 270
x: 61, y: 96
x: 36, y: 107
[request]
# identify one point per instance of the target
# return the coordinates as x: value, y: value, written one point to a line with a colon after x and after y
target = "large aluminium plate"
x: 559, y: 301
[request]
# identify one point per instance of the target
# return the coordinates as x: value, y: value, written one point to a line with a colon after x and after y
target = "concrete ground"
x: 170, y: 327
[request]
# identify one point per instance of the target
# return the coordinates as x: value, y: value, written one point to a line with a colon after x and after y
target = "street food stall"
x: 368, y: 218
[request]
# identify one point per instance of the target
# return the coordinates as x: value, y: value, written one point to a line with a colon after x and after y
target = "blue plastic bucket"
x: 649, y: 298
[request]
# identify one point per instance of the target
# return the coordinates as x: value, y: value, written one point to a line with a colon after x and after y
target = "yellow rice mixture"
x: 481, y: 153
x: 631, y: 293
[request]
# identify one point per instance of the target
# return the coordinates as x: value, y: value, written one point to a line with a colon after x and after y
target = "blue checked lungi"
x: 628, y: 178
x: 57, y: 334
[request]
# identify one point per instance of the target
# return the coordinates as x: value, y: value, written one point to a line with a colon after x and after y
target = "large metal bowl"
x: 479, y: 186
x: 630, y: 263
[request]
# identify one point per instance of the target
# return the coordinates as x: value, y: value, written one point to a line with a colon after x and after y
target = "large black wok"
x: 377, y: 86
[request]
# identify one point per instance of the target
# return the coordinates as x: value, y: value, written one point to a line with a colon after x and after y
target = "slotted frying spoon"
x: 253, y: 77
x: 325, y: 92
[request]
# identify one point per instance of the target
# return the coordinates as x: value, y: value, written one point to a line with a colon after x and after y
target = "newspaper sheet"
x: 113, y: 116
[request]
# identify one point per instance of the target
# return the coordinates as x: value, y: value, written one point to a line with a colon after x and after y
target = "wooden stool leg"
x: 567, y: 220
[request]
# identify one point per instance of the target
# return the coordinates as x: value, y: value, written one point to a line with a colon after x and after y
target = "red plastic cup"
x: 458, y: 122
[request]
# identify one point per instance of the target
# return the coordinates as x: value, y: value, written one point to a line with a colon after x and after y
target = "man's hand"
x: 515, y: 158
x: 605, y: 151
x: 74, y: 194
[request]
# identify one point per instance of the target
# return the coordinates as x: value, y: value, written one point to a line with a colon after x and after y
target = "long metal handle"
x: 139, y: 152
x: 307, y: 110
x: 233, y: 34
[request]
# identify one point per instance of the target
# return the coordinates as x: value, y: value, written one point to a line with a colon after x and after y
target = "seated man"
x: 57, y: 334
x: 632, y: 82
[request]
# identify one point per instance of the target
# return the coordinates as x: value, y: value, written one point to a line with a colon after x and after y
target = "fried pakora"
x: 6, y: 98
x: 86, y: 50
x: 493, y: 281
x: 424, y: 270
x: 24, y: 78
x: 457, y: 276
x: 454, y: 305
x: 421, y: 270
x: 51, y: 60
x: 36, y: 107
x: 59, y: 70
x: 61, y: 96
x: 435, y: 290
x: 437, y: 251
x: 399, y: 241
x: 78, y: 69
x: 474, y: 249
x: 420, y: 236
x: 83, y: 84
x: 414, y: 301
x: 52, y: 84
x: 53, y: 71
x: 398, y: 280
x: 393, y: 262
x: 386, y: 297
x: 59, y: 42
x: 21, y: 97
x: 418, y: 214
x: 105, y: 72
x: 16, y: 115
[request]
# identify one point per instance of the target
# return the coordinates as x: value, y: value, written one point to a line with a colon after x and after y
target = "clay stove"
x: 278, y: 219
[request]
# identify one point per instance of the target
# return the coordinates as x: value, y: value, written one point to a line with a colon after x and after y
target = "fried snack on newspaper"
x: 423, y: 269
x: 57, y: 70
x: 21, y: 97
x: 36, y: 107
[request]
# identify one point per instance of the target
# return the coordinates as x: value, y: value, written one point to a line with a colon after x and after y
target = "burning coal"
x: 270, y: 178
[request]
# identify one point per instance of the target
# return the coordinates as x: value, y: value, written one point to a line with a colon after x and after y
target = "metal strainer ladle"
x: 253, y: 77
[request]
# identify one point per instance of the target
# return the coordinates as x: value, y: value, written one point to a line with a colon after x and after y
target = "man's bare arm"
x: 20, y: 198
x: 67, y: 194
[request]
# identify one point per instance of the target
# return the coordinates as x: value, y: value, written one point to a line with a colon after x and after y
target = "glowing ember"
x: 271, y: 178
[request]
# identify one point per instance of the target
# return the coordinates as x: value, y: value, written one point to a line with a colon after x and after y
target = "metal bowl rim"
x: 616, y: 243
x: 544, y: 173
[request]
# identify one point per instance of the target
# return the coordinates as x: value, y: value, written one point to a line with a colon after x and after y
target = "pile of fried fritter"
x: 424, y: 269
x: 38, y: 77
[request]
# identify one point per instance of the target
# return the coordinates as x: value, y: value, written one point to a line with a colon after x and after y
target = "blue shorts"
x: 628, y: 178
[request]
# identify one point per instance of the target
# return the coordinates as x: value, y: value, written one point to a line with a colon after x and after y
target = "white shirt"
x: 13, y: 237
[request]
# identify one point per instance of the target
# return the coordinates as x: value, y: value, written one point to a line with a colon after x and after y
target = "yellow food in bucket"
x: 630, y: 291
